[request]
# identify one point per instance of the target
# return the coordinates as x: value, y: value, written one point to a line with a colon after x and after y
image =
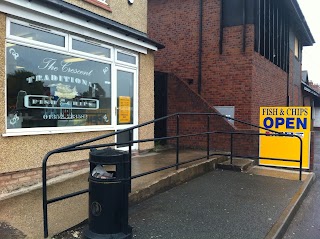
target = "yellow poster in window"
x: 124, y: 115
x: 290, y: 121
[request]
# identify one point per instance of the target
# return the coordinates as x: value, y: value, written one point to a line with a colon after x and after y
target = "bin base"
x: 92, y: 235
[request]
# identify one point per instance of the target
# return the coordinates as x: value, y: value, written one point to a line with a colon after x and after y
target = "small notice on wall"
x: 124, y: 110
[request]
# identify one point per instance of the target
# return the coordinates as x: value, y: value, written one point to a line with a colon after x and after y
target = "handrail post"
x: 300, y: 170
x: 45, y: 197
x: 208, y: 136
x: 231, y: 149
x: 177, y: 146
x: 130, y: 157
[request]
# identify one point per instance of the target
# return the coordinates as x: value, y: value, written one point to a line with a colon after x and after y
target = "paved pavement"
x: 219, y: 204
x: 306, y: 223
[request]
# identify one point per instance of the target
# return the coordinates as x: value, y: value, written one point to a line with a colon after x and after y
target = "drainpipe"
x: 200, y: 46
x: 244, y: 16
x: 288, y: 80
x: 221, y: 28
x: 288, y: 65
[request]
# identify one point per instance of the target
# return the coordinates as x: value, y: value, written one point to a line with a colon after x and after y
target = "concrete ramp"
x: 21, y: 211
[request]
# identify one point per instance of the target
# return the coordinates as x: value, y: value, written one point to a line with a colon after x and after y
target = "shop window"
x: 126, y: 58
x: 36, y: 33
x: 91, y: 48
x: 55, y: 90
x: 67, y: 83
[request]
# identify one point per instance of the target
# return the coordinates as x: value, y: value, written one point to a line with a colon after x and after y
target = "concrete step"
x: 238, y: 164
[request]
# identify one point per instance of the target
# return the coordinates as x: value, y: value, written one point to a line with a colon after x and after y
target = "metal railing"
x: 82, y: 146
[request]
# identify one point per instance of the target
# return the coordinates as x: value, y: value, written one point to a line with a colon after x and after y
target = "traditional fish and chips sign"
x: 56, y: 90
x: 289, y: 121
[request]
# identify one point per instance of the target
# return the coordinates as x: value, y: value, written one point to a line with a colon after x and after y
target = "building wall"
x: 121, y: 12
x: 176, y: 26
x: 21, y: 156
x: 186, y: 100
x: 295, y: 71
x: 226, y: 78
x: 245, y: 80
x: 146, y: 97
x: 269, y: 85
x: 2, y: 70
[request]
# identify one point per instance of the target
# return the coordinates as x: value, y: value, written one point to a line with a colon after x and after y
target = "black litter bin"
x: 108, y: 195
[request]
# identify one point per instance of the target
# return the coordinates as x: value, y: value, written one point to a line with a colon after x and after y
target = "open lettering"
x: 289, y: 123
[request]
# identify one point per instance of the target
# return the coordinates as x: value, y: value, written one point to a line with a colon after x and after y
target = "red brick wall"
x: 226, y: 78
x: 15, y: 180
x: 245, y: 80
x: 174, y: 24
x: 183, y: 99
x: 269, y: 85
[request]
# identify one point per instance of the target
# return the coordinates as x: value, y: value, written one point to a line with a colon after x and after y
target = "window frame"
x: 123, y: 62
x: 67, y: 50
x: 92, y: 42
x: 34, y: 42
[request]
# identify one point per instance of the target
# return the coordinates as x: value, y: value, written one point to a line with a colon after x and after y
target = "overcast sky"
x: 311, y: 54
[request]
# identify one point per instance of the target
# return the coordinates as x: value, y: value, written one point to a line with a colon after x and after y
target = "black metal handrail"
x: 82, y: 146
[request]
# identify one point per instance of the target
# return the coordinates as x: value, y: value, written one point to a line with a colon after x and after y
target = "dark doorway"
x: 161, y: 104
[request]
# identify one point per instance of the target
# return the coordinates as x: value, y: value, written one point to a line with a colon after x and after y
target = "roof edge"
x: 302, y: 19
x: 108, y: 23
x: 310, y: 90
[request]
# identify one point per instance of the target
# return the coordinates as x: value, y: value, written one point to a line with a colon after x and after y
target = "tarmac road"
x: 306, y: 223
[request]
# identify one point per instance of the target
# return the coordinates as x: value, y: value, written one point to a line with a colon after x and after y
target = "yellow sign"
x: 124, y: 110
x: 288, y: 120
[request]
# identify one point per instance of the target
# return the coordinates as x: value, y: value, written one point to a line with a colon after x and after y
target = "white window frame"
x: 34, y: 42
x: 129, y: 53
x: 68, y: 51
x: 89, y: 41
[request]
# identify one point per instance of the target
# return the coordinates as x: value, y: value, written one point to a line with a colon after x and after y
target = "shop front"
x: 69, y: 74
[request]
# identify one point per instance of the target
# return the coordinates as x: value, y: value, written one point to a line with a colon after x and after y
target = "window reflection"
x: 126, y: 58
x: 36, y: 34
x: 90, y: 48
x: 56, y: 90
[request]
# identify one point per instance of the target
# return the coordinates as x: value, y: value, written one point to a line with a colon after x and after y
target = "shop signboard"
x: 290, y: 121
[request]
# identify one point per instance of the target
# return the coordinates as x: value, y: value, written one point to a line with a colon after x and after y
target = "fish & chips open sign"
x: 287, y: 120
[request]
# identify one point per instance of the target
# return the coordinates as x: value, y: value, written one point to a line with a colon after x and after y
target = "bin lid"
x: 107, y: 156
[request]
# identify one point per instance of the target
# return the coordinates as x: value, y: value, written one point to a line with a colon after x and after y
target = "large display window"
x: 57, y: 80
x: 55, y: 90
